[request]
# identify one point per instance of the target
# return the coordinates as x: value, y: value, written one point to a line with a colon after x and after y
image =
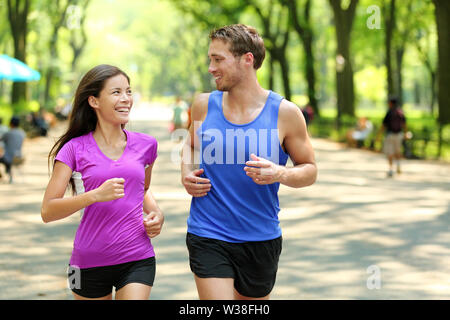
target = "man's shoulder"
x: 201, y: 98
x: 289, y: 110
x: 200, y: 105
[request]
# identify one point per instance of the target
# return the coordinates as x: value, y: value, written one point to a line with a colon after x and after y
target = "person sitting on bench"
x: 13, y: 140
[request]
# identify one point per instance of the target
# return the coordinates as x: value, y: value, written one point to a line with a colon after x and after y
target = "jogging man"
x: 244, y: 136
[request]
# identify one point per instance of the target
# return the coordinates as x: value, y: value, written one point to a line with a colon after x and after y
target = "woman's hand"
x: 153, y: 223
x: 111, y: 189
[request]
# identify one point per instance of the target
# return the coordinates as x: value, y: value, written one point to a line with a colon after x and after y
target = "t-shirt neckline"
x: 91, y: 134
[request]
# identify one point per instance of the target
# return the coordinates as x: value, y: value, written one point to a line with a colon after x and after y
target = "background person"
x: 357, y: 136
x: 12, y: 144
x: 394, y: 125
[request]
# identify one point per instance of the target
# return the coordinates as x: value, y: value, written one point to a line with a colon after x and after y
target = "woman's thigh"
x: 134, y: 291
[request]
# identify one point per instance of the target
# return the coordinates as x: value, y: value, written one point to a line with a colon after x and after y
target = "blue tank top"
x: 236, y: 209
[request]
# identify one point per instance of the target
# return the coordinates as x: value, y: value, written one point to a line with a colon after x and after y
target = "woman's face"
x: 114, y: 101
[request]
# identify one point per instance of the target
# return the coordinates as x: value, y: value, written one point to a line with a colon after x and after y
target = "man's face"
x: 224, y: 66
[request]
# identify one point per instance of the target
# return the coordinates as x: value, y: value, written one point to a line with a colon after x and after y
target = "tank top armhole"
x: 210, y: 108
x: 275, y: 115
x: 214, y: 103
x: 276, y: 111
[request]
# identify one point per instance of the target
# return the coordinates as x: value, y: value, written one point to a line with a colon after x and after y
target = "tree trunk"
x: 443, y: 28
x: 307, y: 37
x: 284, y: 65
x: 271, y: 73
x: 344, y: 72
x: 17, y: 15
x: 442, y: 12
x: 433, y: 91
x: 311, y: 74
x: 390, y: 27
x: 399, y: 53
x: 277, y: 51
x: 58, y: 20
x: 78, y: 32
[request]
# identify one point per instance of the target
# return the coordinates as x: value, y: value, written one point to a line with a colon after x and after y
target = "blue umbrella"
x: 16, y: 70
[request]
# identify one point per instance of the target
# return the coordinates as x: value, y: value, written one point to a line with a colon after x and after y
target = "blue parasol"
x: 15, y: 70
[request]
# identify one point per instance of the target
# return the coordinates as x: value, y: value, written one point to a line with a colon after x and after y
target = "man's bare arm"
x: 190, y: 176
x: 297, y: 144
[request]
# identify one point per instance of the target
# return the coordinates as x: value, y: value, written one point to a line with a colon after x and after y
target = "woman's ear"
x: 93, y: 102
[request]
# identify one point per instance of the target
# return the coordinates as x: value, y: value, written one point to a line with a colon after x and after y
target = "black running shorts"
x: 252, y: 265
x: 98, y: 282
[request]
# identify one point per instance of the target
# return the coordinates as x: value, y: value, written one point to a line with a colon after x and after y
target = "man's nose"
x: 211, y: 68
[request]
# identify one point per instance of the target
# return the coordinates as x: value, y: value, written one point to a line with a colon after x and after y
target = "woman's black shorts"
x: 98, y: 281
x: 252, y: 265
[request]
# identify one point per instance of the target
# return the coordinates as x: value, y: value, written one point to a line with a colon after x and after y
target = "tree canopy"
x: 341, y: 55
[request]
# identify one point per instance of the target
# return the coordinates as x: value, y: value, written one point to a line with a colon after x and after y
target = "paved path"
x: 341, y: 235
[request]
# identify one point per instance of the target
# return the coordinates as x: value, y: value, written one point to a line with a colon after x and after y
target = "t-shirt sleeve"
x: 67, y: 155
x: 152, y: 151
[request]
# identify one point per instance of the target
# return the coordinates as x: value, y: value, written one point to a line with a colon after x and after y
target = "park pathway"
x: 354, y: 234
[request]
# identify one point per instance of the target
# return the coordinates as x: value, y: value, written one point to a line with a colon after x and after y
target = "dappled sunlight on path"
x: 351, y: 219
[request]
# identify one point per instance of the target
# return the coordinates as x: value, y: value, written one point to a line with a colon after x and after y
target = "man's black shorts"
x: 252, y: 265
x: 98, y: 282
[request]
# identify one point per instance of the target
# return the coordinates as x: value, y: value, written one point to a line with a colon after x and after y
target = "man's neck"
x: 246, y: 96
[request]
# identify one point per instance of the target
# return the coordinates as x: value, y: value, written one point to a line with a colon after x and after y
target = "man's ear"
x: 249, y: 58
x: 93, y: 102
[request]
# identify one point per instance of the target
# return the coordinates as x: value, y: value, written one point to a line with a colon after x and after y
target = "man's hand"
x: 196, y: 186
x: 153, y: 223
x: 263, y: 171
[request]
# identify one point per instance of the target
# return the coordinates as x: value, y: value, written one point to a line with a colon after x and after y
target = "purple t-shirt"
x: 111, y: 232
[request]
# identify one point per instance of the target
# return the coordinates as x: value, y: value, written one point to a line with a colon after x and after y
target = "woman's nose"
x: 125, y: 96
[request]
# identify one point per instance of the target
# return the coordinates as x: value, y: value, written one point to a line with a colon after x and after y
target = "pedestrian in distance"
x: 109, y: 169
x: 395, y: 129
x: 233, y: 163
x: 178, y: 110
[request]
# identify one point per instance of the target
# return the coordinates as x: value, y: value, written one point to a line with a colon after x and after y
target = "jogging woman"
x: 109, y: 169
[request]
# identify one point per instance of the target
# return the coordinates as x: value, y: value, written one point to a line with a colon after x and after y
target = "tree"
x: 303, y: 26
x: 208, y: 15
x: 442, y: 13
x: 273, y: 17
x: 78, y: 38
x: 276, y: 32
x: 17, y: 15
x: 398, y: 26
x: 5, y: 42
x: 389, y: 14
x: 426, y: 47
x: 57, y: 14
x: 404, y: 28
x: 343, y: 20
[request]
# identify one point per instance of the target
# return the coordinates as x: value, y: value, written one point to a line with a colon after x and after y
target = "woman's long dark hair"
x: 83, y: 118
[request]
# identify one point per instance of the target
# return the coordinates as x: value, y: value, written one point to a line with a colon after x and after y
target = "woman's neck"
x: 109, y: 134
